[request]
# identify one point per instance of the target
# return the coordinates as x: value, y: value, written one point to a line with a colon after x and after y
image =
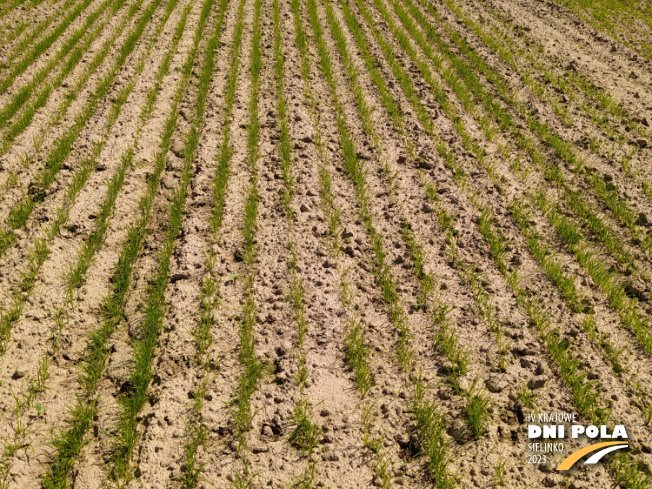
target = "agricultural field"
x: 323, y: 243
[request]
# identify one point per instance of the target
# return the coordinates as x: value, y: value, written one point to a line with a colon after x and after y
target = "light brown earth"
x: 363, y: 439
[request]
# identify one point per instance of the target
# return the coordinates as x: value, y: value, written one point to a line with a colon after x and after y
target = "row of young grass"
x: 69, y: 441
x: 22, y: 210
x: 611, y: 16
x: 534, y: 53
x: 429, y: 422
x: 24, y: 117
x: 357, y: 350
x: 37, y: 28
x: 209, y: 287
x: 252, y: 367
x: 597, y: 105
x: 44, y: 44
x: 306, y: 435
x: 611, y: 284
x: 77, y: 274
x: 569, y: 365
x: 8, y: 316
x: 476, y: 411
x: 585, y: 394
x: 26, y: 401
x: 605, y: 192
x: 548, y: 269
x: 86, y: 33
x: 152, y: 325
x: 613, y: 289
x: 585, y: 255
x: 597, y: 226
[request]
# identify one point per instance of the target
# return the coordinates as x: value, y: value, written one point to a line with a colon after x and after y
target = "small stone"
x: 282, y: 350
x: 178, y: 149
x: 267, y: 431
x: 549, y: 481
x: 423, y: 164
x: 443, y: 394
x: 330, y: 457
x: 537, y: 383
x: 179, y: 276
x: 636, y: 289
x: 304, y: 208
x: 458, y: 431
x: 642, y: 220
x: 260, y: 449
x: 239, y: 254
x: 524, y: 350
x: 495, y: 384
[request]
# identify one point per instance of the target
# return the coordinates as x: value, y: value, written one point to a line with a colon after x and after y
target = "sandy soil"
x: 562, y: 73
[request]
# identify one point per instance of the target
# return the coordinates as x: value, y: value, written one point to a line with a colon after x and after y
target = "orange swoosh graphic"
x: 575, y: 456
